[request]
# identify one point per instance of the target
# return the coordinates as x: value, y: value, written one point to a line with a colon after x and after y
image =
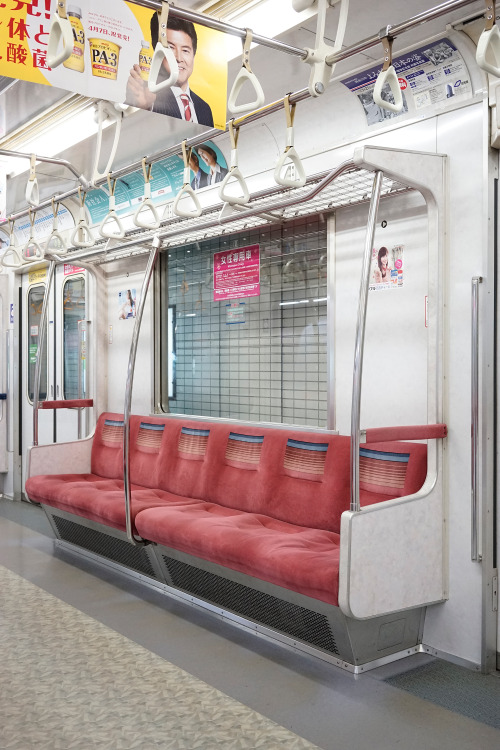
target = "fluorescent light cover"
x: 56, y: 139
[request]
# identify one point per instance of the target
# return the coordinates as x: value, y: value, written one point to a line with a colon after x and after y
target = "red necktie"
x: 187, y: 108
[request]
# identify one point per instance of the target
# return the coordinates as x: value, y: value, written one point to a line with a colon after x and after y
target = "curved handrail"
x: 360, y: 338
x: 234, y: 173
x: 82, y: 229
x: 290, y: 154
x: 488, y: 45
x: 162, y: 52
x: 156, y: 244
x: 72, y: 403
x: 388, y: 77
x: 186, y: 190
x: 147, y: 203
x: 246, y: 74
x: 111, y: 217
x: 60, y: 28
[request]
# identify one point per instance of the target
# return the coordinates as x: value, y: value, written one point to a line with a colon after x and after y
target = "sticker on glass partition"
x: 237, y: 273
x: 127, y: 303
x: 387, y: 268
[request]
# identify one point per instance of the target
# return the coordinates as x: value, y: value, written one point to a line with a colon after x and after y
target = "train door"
x: 64, y: 363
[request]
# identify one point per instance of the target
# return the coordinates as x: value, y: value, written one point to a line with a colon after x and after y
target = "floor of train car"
x: 89, y: 659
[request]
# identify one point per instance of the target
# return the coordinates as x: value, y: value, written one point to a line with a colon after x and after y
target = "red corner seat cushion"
x: 390, y: 470
x: 96, y: 498
x: 294, y: 557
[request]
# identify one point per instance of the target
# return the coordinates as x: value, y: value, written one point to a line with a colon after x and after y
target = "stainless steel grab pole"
x: 360, y: 340
x: 128, y: 388
x: 475, y: 556
x: 214, y: 23
x: 398, y: 29
x: 42, y: 330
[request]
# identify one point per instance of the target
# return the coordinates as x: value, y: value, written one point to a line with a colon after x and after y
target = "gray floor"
x: 324, y: 705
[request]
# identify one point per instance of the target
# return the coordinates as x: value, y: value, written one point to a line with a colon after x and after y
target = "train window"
x: 73, y: 313
x: 258, y: 351
x: 35, y: 303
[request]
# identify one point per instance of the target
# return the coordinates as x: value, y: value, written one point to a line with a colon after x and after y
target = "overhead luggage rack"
x: 348, y: 185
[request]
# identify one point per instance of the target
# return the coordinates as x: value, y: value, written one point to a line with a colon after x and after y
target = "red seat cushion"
x: 297, y: 558
x: 96, y: 498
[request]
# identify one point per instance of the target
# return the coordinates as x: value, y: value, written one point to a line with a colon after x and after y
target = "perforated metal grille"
x: 108, y: 546
x: 288, y: 618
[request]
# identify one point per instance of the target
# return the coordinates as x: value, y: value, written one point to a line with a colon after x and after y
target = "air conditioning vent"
x: 291, y: 619
x: 108, y: 546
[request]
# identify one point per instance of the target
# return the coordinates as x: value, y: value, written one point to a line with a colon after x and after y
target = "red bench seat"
x: 263, y: 501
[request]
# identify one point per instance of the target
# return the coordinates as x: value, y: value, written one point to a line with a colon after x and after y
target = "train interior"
x: 248, y: 378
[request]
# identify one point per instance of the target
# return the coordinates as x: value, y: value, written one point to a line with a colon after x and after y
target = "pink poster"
x: 237, y: 273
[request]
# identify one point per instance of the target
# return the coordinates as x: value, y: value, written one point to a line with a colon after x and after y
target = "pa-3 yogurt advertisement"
x: 113, y: 45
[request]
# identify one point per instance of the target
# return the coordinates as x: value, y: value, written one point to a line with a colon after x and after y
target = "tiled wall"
x: 271, y: 366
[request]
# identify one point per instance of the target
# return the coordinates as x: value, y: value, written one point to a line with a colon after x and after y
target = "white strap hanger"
x: 162, y: 51
x: 244, y: 75
x: 321, y: 71
x: 55, y: 235
x: 388, y: 77
x: 60, y: 28
x: 104, y: 111
x: 186, y: 190
x: 111, y: 217
x: 32, y: 244
x: 234, y: 173
x: 289, y: 155
x: 81, y: 235
x: 488, y: 46
x: 32, y: 192
x: 147, y: 203
x: 11, y: 252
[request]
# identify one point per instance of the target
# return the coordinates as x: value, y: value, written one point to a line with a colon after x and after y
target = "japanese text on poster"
x: 237, y: 273
x: 427, y: 76
x: 386, y: 268
x: 112, y: 53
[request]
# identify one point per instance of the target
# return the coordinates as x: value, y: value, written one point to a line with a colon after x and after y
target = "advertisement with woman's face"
x: 387, y: 268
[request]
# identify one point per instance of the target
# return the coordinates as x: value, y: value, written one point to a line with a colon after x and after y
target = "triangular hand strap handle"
x: 59, y: 29
x: 234, y: 174
x: 290, y: 156
x: 187, y: 191
x: 488, y: 51
x: 111, y: 218
x: 388, y: 78
x: 79, y: 233
x: 55, y: 235
x: 243, y: 76
x: 32, y: 192
x: 16, y: 263
x: 38, y: 254
x: 105, y: 110
x: 142, y: 207
x: 161, y: 53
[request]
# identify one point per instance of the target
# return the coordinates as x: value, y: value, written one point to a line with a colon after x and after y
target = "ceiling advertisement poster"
x: 112, y: 52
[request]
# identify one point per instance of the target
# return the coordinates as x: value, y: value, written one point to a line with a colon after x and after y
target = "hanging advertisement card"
x: 237, y: 273
x: 127, y: 304
x: 113, y: 47
x: 427, y: 76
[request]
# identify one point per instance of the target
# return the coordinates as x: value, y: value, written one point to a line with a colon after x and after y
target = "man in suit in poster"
x: 177, y: 101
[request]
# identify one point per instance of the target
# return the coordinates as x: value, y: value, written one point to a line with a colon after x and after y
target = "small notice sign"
x: 237, y: 273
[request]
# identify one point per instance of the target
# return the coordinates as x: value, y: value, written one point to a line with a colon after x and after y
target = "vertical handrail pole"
x: 7, y: 390
x: 129, y: 385
x: 360, y: 340
x: 42, y: 330
x: 80, y: 369
x: 476, y: 280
